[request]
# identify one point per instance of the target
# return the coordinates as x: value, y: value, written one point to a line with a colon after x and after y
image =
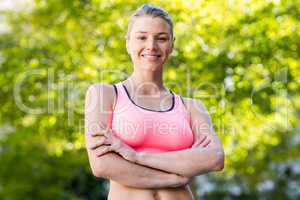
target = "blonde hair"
x: 149, y: 10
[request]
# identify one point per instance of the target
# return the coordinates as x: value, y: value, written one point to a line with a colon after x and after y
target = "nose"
x: 151, y: 44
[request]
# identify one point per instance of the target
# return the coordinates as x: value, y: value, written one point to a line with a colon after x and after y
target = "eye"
x: 162, y: 39
x: 141, y: 38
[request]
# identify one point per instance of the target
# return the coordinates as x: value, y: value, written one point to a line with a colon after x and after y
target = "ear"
x: 127, y: 46
x: 172, y: 45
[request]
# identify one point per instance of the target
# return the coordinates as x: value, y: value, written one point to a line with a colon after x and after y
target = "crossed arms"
x: 148, y: 170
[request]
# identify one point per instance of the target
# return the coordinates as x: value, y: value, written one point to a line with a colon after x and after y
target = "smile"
x: 150, y: 56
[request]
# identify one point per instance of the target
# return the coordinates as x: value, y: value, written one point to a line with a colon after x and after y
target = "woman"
x: 148, y: 141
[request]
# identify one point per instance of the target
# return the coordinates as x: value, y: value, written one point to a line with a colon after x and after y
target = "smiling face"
x: 150, y: 42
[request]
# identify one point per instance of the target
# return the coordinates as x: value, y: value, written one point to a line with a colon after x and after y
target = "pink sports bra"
x: 148, y: 130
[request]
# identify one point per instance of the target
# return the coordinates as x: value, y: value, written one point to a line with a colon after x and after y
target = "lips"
x: 150, y: 55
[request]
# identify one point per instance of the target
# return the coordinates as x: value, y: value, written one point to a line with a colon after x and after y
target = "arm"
x: 188, y: 163
x: 111, y: 166
x: 132, y: 175
x: 194, y: 161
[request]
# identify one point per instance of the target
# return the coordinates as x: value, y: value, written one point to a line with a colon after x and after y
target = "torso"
x: 144, y: 140
x: 117, y: 192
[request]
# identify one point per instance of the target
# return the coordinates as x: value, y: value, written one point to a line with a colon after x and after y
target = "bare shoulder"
x: 101, y: 88
x: 100, y: 94
x: 194, y: 105
x: 97, y: 89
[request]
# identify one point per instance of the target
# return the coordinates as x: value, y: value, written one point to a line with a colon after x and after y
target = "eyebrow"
x: 160, y: 33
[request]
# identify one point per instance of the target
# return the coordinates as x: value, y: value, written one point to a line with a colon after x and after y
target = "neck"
x: 146, y: 81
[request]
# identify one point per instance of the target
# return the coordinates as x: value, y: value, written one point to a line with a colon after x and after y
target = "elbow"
x: 99, y: 171
x: 219, y: 161
x: 100, y: 166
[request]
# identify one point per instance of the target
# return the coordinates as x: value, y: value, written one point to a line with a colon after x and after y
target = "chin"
x: 151, y: 67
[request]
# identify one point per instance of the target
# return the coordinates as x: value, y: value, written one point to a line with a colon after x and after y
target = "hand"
x: 106, y: 141
x: 126, y: 151
x: 179, y: 181
x: 99, y: 144
x: 203, y: 140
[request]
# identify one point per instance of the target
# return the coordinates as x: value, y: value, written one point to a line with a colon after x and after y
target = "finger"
x: 98, y: 142
x: 108, y: 133
x: 116, y: 144
x: 202, y: 137
x: 195, y: 144
x: 90, y: 143
x: 103, y: 125
x: 102, y: 150
x: 94, y: 134
x: 200, y: 140
x: 206, y: 142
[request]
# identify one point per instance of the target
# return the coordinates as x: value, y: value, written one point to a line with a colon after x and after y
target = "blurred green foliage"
x: 239, y: 57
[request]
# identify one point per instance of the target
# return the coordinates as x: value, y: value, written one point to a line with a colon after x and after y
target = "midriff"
x: 121, y: 192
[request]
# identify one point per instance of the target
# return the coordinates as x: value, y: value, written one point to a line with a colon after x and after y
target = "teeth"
x: 150, y: 55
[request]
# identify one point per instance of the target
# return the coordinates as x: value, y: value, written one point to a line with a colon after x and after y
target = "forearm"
x: 188, y: 163
x: 133, y: 175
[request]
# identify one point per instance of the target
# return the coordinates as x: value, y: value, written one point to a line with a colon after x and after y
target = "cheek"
x: 167, y: 51
x: 134, y: 53
x: 130, y: 47
x: 134, y: 49
x: 167, y: 48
